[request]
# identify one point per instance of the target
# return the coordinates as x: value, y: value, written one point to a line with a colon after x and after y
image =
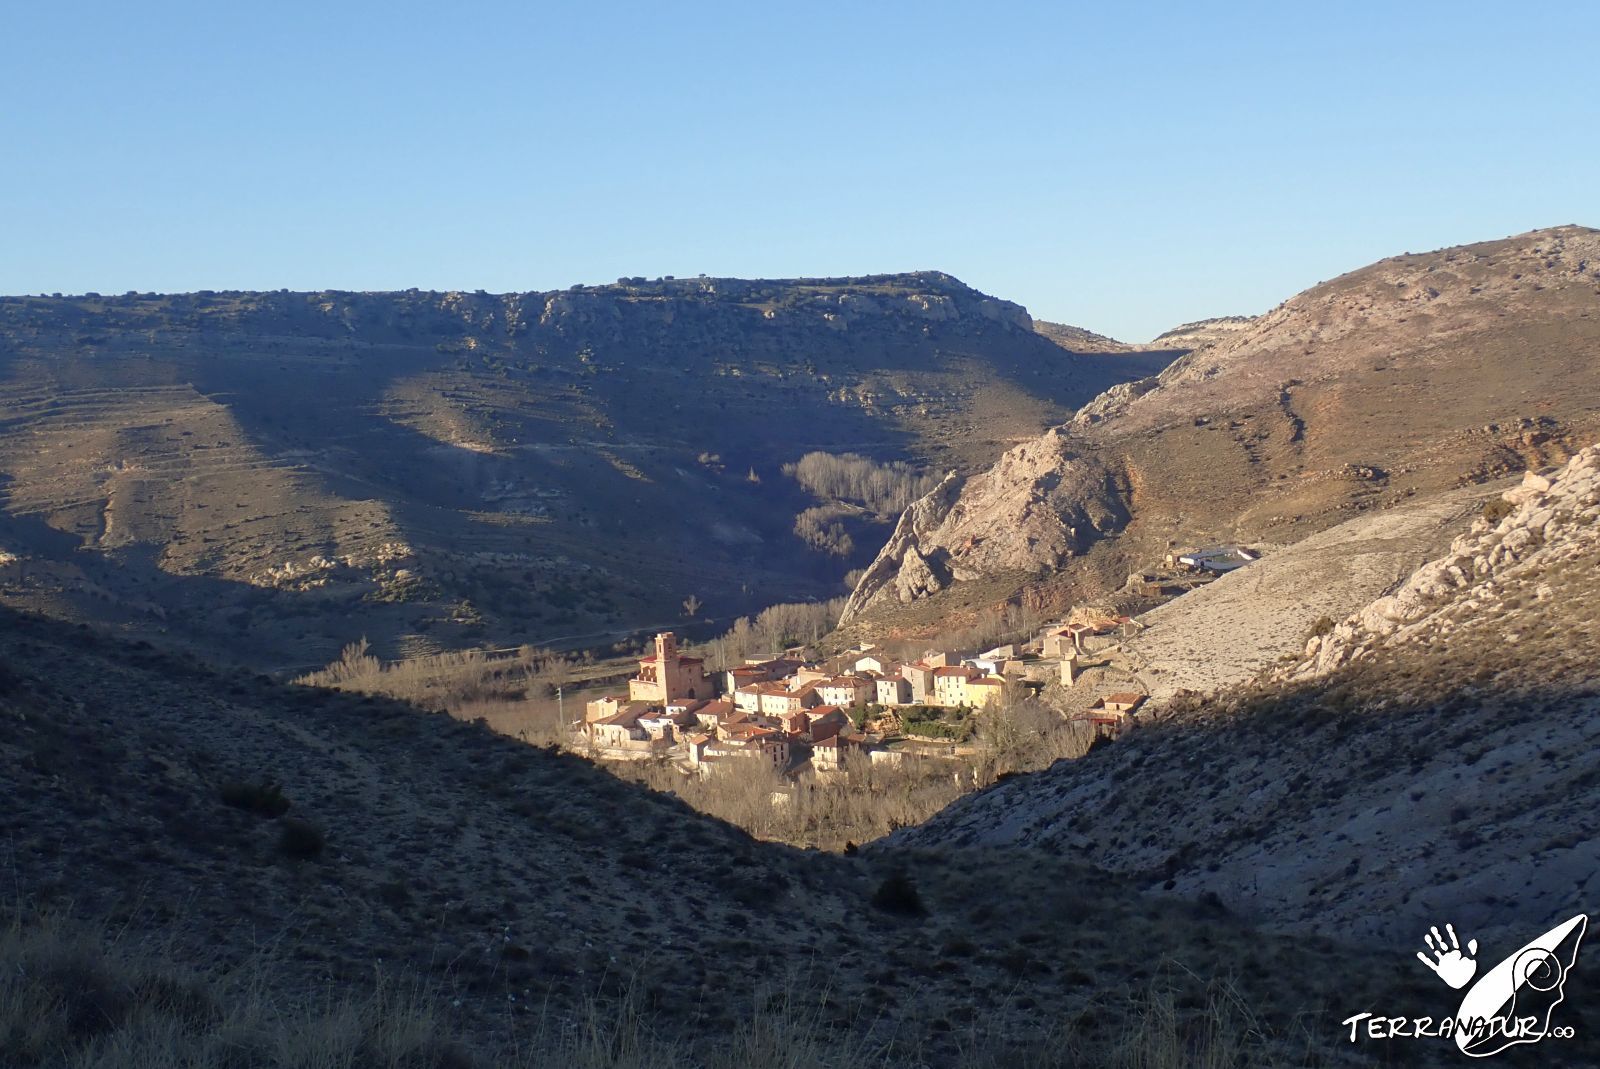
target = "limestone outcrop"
x: 1040, y: 505
x: 1545, y: 521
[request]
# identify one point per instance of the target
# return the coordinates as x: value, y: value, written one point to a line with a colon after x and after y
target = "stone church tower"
x: 669, y: 675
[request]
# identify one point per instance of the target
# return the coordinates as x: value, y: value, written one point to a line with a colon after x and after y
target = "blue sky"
x: 1121, y: 167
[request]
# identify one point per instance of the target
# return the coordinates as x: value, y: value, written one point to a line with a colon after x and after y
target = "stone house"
x: 950, y: 684
x: 808, y: 677
x: 847, y: 691
x: 713, y: 713
x: 777, y: 699
x: 893, y: 690
x: 603, y: 708
x: 830, y: 754
x: 919, y: 677
x: 744, y: 675
x: 984, y: 691
x: 622, y: 737
x: 1057, y: 641
x: 826, y: 721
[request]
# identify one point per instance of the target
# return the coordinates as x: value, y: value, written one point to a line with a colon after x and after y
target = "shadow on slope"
x: 516, y: 884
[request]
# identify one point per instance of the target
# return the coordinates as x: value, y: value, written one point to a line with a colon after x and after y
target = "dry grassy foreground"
x: 84, y: 998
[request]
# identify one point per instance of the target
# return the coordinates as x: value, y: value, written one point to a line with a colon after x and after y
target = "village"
x: 799, y: 713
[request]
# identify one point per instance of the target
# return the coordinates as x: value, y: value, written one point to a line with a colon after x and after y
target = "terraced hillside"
x: 283, y: 472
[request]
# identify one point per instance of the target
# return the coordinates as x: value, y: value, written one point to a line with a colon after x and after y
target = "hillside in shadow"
x: 319, y: 843
x: 439, y: 470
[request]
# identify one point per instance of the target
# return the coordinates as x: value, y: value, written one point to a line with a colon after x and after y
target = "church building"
x: 667, y: 675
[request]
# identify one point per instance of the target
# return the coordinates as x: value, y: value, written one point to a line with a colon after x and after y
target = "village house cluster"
x: 783, y: 710
x: 790, y: 712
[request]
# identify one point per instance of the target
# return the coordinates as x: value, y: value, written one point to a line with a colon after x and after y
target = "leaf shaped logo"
x: 1512, y: 1002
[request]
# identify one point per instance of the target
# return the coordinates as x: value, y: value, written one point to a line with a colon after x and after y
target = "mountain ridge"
x: 1409, y: 376
x: 457, y: 468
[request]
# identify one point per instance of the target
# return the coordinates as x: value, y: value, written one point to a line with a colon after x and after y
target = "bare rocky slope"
x: 1433, y: 758
x: 280, y: 473
x: 1417, y: 374
x: 1223, y: 633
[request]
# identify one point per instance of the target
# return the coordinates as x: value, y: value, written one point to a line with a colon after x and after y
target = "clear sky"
x: 1123, y: 167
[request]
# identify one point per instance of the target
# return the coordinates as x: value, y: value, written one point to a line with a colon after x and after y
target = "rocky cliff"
x: 1040, y: 505
x: 1078, y: 340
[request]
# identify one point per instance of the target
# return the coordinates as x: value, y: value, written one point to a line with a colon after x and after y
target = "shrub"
x: 897, y: 894
x: 1496, y: 510
x: 301, y: 840
x: 264, y: 799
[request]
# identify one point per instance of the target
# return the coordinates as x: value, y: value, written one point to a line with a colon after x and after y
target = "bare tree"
x: 883, y: 488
